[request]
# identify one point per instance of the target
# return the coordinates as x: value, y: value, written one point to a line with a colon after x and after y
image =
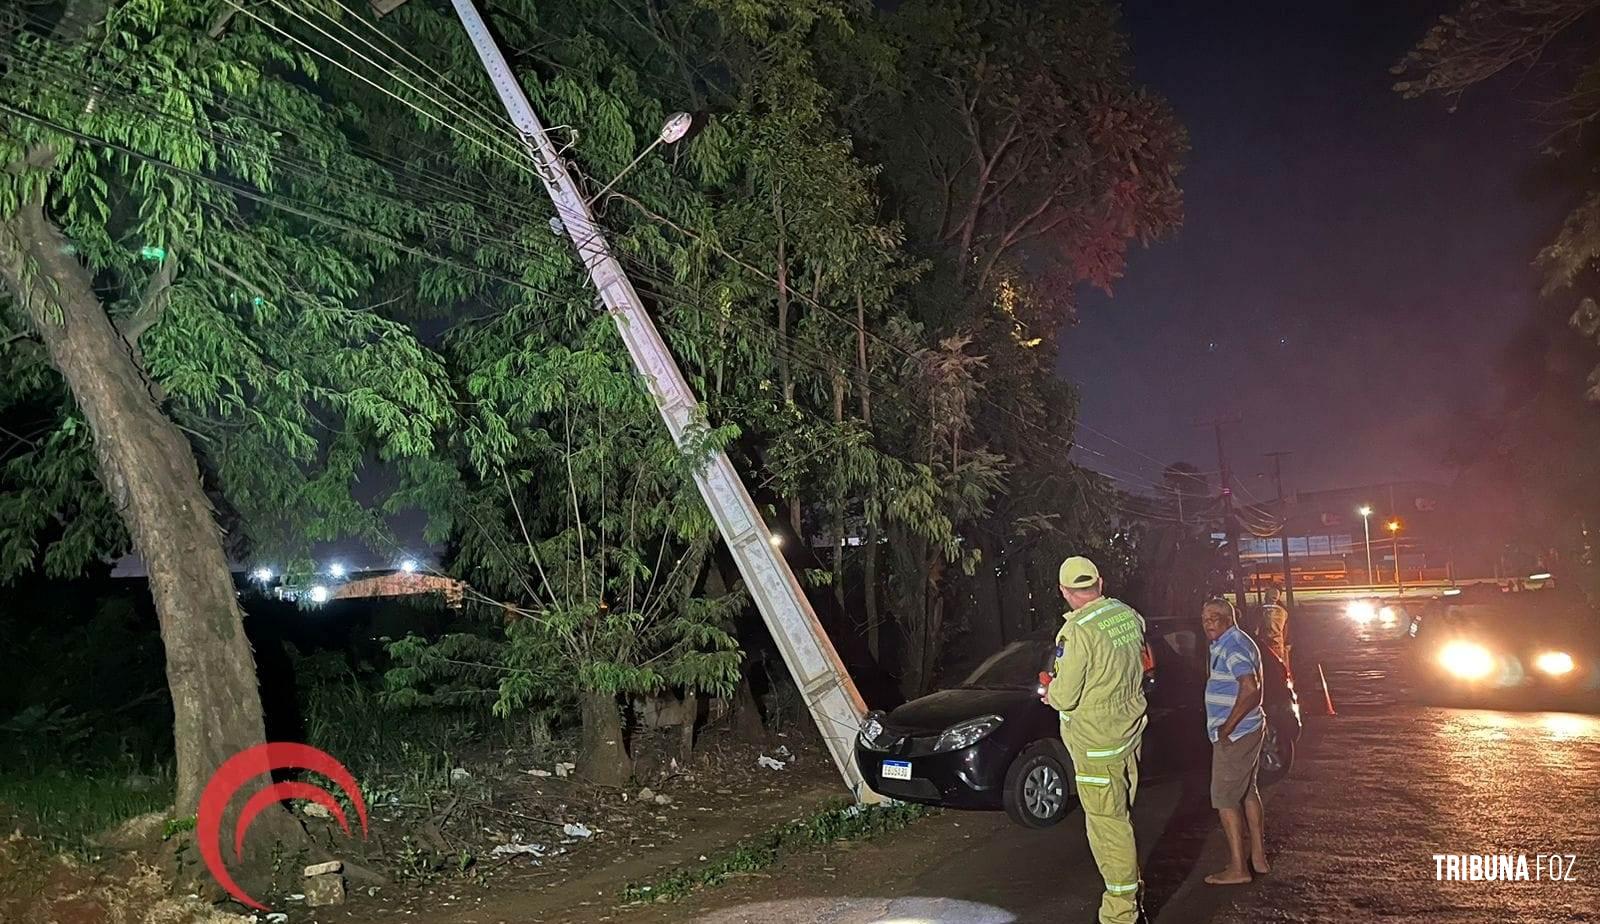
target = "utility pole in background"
x: 1231, y: 523
x: 1283, y: 534
x: 829, y: 693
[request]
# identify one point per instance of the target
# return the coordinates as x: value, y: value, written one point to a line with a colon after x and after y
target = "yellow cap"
x: 1078, y: 572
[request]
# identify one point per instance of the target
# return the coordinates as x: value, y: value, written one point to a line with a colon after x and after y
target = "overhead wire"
x: 1135, y: 480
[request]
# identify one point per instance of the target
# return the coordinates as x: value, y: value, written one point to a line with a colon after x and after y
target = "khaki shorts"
x: 1233, y: 768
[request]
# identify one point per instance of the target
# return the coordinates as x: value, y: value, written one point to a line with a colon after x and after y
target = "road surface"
x: 1378, y: 791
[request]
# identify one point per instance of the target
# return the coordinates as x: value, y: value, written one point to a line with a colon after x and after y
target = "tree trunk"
x: 149, y: 470
x: 785, y: 376
x: 869, y: 561
x: 602, y: 755
x: 691, y: 708
x: 839, y: 501
x: 1020, y: 601
x: 746, y: 711
x: 988, y: 613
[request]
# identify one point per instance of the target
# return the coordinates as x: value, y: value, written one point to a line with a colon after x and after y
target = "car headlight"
x: 1467, y: 660
x: 1554, y: 663
x: 1387, y: 616
x: 1361, y: 612
x: 872, y: 729
x: 966, y: 734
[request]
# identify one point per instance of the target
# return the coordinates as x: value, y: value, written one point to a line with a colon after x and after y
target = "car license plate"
x: 897, y: 769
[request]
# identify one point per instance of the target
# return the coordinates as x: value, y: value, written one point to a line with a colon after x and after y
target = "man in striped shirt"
x: 1236, y: 724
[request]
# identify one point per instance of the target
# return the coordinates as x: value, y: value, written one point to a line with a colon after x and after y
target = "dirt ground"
x: 565, y: 847
x: 723, y: 797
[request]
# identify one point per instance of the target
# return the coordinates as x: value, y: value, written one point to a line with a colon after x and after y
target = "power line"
x: 1136, y: 480
x: 801, y: 295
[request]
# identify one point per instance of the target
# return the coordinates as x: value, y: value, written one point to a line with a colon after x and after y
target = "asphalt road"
x: 1377, y: 791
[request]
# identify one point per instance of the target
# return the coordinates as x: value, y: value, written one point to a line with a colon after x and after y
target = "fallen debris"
x: 769, y: 763
x: 576, y: 830
x: 322, y: 869
x: 315, y: 810
x: 460, y: 775
x: 514, y: 849
x: 325, y: 890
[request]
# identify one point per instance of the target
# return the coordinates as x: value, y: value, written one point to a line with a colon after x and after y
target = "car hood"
x: 936, y: 712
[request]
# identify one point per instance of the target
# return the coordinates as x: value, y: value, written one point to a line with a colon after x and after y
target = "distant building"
x: 1327, y: 543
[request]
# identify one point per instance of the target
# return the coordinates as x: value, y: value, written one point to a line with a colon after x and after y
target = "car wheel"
x: 1037, y: 789
x: 1277, y: 755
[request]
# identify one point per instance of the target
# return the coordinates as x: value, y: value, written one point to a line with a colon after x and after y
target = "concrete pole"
x: 829, y: 692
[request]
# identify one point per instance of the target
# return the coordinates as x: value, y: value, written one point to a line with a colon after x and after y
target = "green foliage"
x: 257, y: 326
x: 1484, y: 39
x: 66, y: 808
x: 829, y: 826
x: 862, y: 362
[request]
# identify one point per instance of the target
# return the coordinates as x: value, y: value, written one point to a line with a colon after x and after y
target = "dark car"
x: 1482, y: 645
x: 990, y: 743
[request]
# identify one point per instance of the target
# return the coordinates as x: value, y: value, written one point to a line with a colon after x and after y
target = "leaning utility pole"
x: 1283, y: 527
x: 827, y: 688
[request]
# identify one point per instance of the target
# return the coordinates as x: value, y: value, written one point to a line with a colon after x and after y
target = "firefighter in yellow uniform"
x: 1098, y: 687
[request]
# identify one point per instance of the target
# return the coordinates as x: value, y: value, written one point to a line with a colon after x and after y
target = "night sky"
x: 1351, y: 262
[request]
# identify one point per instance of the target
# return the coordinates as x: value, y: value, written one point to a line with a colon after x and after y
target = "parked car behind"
x: 989, y: 743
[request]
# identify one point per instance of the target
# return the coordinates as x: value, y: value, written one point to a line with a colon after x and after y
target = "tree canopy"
x: 332, y: 269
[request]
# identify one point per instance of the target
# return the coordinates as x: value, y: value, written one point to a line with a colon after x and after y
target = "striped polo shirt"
x: 1233, y: 655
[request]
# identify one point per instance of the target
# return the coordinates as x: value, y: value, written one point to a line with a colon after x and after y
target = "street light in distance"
x: 1366, y: 529
x: 1394, y: 535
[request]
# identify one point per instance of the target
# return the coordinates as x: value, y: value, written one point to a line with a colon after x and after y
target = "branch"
x: 152, y: 305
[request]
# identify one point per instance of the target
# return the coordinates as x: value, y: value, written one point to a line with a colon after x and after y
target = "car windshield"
x: 1016, y: 665
x: 1515, y: 617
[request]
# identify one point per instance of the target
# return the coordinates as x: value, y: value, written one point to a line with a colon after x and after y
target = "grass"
x: 65, y: 808
x: 831, y: 825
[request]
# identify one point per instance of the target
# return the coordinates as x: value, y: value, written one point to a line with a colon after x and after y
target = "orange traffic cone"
x: 1327, y: 698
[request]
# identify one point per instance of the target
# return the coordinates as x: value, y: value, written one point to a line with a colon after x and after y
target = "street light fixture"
x: 1394, y: 535
x: 336, y: 570
x: 409, y: 566
x: 1366, y: 528
x: 672, y: 132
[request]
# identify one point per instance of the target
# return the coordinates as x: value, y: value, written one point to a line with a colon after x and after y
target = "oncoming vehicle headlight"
x: 1361, y: 612
x: 1387, y: 617
x: 966, y: 734
x: 1554, y: 663
x: 1467, y: 660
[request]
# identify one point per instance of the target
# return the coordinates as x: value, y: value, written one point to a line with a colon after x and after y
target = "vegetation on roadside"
x: 827, y: 826
x: 260, y: 294
x: 67, y: 808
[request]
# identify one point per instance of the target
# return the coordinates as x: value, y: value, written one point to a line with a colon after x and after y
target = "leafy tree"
x: 1023, y: 159
x: 1485, y: 39
x: 184, y: 325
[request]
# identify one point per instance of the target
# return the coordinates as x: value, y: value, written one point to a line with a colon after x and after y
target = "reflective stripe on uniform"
x: 1093, y: 780
x: 1110, y: 752
x: 1122, y: 888
x: 1096, y: 611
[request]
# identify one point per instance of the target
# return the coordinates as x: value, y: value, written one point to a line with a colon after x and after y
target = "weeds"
x: 839, y: 823
x: 65, y: 808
